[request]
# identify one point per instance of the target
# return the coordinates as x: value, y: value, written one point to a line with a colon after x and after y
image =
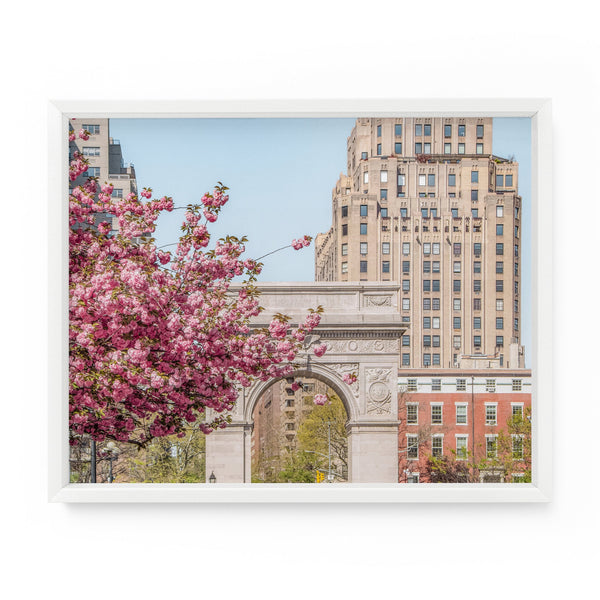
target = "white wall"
x: 276, y: 49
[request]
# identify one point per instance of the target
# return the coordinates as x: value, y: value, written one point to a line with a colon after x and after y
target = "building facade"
x: 426, y: 203
x: 105, y: 157
x: 479, y: 420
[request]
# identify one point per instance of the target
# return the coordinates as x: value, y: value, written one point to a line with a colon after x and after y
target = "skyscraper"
x: 426, y: 203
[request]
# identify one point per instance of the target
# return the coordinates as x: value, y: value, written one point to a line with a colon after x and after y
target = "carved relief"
x: 379, y: 395
x: 378, y: 300
x: 361, y: 346
x: 342, y: 369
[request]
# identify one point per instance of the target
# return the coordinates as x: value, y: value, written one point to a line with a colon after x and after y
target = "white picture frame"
x: 540, y: 490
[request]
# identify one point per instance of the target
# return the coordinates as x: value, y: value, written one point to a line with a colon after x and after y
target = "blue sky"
x: 280, y: 173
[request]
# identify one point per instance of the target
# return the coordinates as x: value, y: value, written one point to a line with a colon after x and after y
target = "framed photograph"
x: 300, y: 301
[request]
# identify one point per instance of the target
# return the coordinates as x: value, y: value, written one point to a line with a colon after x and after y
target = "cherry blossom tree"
x: 157, y: 337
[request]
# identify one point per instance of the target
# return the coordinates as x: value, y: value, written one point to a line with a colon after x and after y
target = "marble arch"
x: 361, y: 327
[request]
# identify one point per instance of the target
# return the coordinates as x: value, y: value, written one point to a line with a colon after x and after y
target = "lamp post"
x: 112, y: 451
x: 212, y: 478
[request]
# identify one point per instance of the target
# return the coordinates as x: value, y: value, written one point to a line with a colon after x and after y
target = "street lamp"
x: 112, y: 450
x: 212, y: 478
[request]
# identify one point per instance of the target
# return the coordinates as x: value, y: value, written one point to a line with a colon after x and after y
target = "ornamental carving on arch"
x: 346, y: 368
x: 362, y: 346
x: 379, y: 395
x: 378, y: 301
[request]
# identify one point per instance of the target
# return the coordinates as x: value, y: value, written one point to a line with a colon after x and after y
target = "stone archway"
x: 361, y: 327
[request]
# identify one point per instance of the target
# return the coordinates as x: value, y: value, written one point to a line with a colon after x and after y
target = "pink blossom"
x: 295, y: 386
x: 320, y: 350
x: 349, y: 378
x: 320, y: 399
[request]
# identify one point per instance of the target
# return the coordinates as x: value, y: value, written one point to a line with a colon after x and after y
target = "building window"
x: 457, y: 247
x: 474, y: 195
x: 344, y: 211
x: 477, y: 341
x: 435, y: 285
x: 364, y: 155
x: 412, y: 414
x: 517, y: 386
x: 499, y: 323
x: 517, y: 447
x: 477, y: 285
x: 475, y: 213
x: 397, y: 147
x: 385, y: 247
x: 477, y: 248
x: 461, y: 131
x: 426, y: 360
x: 461, y: 414
x: 456, y: 285
x: 491, y: 414
x: 451, y: 180
x: 435, y: 322
x: 461, y: 385
x: 454, y: 213
x: 436, y: 414
x: 427, y: 248
x: 456, y: 303
x: 406, y: 340
x: 405, y: 303
x: 499, y: 285
x: 499, y: 304
x: 499, y: 341
x: 344, y: 249
x: 91, y: 129
x: 363, y: 266
x: 412, y: 385
x: 426, y: 303
x: 384, y: 213
x: 474, y: 176
x: 405, y: 282
x: 418, y: 148
x: 447, y: 130
x: 436, y: 247
x: 508, y: 181
x: 461, y: 148
x: 383, y: 176
x: 426, y: 285
x: 435, y: 265
x: 461, y: 447
x: 383, y: 194
x: 364, y: 209
x: 364, y: 248
x: 345, y: 229
x: 344, y: 267
x: 436, y: 305
x: 91, y: 151
x: 406, y: 360
x: 398, y: 130
x: 499, y: 180
x: 456, y: 322
x: 479, y: 131
x: 476, y: 322
x: 479, y: 149
x: 477, y: 266
x: 426, y: 322
x: 435, y: 340
x: 476, y: 303
x: 412, y: 447
x: 385, y: 266
x: 499, y: 249
x: 456, y: 342
x: 431, y: 179
x: 499, y: 229
x: 91, y: 172
x: 499, y: 267
x: 378, y: 130
x: 516, y: 324
x: 366, y: 177
x: 406, y: 266
x: 363, y: 229
x: 490, y: 385
x: 447, y: 148
x: 491, y: 446
x: 437, y: 442
x: 117, y: 193
x: 378, y: 149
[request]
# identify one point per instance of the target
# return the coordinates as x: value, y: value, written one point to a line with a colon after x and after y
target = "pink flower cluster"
x: 321, y: 399
x: 301, y: 243
x: 350, y: 378
x: 320, y: 350
x: 152, y: 348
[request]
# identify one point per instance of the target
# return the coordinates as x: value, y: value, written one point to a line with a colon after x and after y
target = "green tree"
x: 324, y: 428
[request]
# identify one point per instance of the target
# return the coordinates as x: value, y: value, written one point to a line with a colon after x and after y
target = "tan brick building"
x: 105, y: 158
x: 426, y: 203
